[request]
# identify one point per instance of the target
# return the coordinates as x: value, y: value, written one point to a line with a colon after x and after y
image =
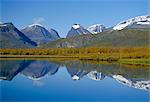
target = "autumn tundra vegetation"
x: 91, y: 53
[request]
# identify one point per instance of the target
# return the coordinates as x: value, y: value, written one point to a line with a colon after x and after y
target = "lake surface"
x: 51, y: 80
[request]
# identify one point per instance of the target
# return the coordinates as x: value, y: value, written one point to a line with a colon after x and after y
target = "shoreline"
x: 35, y: 56
x: 141, y: 61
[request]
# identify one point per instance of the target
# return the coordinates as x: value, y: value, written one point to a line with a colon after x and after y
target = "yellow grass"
x: 92, y: 53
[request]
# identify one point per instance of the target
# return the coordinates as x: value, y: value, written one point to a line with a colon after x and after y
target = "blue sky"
x: 61, y: 14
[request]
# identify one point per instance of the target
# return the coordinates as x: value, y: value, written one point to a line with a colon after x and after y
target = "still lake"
x: 51, y: 80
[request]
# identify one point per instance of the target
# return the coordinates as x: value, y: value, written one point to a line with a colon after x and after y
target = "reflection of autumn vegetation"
x: 85, y: 53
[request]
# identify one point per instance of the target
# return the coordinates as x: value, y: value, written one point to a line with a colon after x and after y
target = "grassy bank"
x: 135, y: 61
x: 137, y: 55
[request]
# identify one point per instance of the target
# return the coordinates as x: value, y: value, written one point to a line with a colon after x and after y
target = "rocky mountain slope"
x: 11, y: 37
x: 39, y: 34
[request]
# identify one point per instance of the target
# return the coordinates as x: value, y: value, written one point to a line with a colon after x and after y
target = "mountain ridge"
x: 139, y: 20
x: 128, y: 33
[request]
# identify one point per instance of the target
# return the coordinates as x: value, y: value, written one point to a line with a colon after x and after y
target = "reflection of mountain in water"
x: 75, y: 72
x: 39, y: 69
x: 94, y: 75
x: 32, y: 69
x: 10, y: 68
x: 35, y: 70
x: 78, y: 69
x: 140, y: 84
x: 133, y: 77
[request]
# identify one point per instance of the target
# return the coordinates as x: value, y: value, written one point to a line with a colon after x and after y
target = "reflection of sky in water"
x: 61, y: 86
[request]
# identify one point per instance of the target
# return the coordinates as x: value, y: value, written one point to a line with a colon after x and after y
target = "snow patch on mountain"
x: 3, y: 25
x: 76, y: 26
x: 35, y: 24
x: 142, y: 20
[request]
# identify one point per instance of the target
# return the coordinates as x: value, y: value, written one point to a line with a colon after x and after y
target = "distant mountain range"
x: 131, y: 32
x: 30, y: 36
x: 113, y: 38
x: 77, y: 29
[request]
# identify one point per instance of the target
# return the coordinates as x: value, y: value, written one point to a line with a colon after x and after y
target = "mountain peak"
x: 76, y: 26
x: 96, y: 28
x: 35, y: 24
x: 77, y: 29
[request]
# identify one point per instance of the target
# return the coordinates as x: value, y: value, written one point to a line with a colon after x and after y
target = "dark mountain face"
x: 76, y: 29
x: 39, y: 34
x: 54, y: 33
x: 11, y: 37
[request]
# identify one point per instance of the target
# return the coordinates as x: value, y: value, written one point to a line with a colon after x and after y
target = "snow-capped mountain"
x: 39, y: 34
x: 94, y: 75
x: 11, y: 37
x: 77, y: 29
x: 97, y: 28
x: 139, y: 84
x: 137, y: 22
